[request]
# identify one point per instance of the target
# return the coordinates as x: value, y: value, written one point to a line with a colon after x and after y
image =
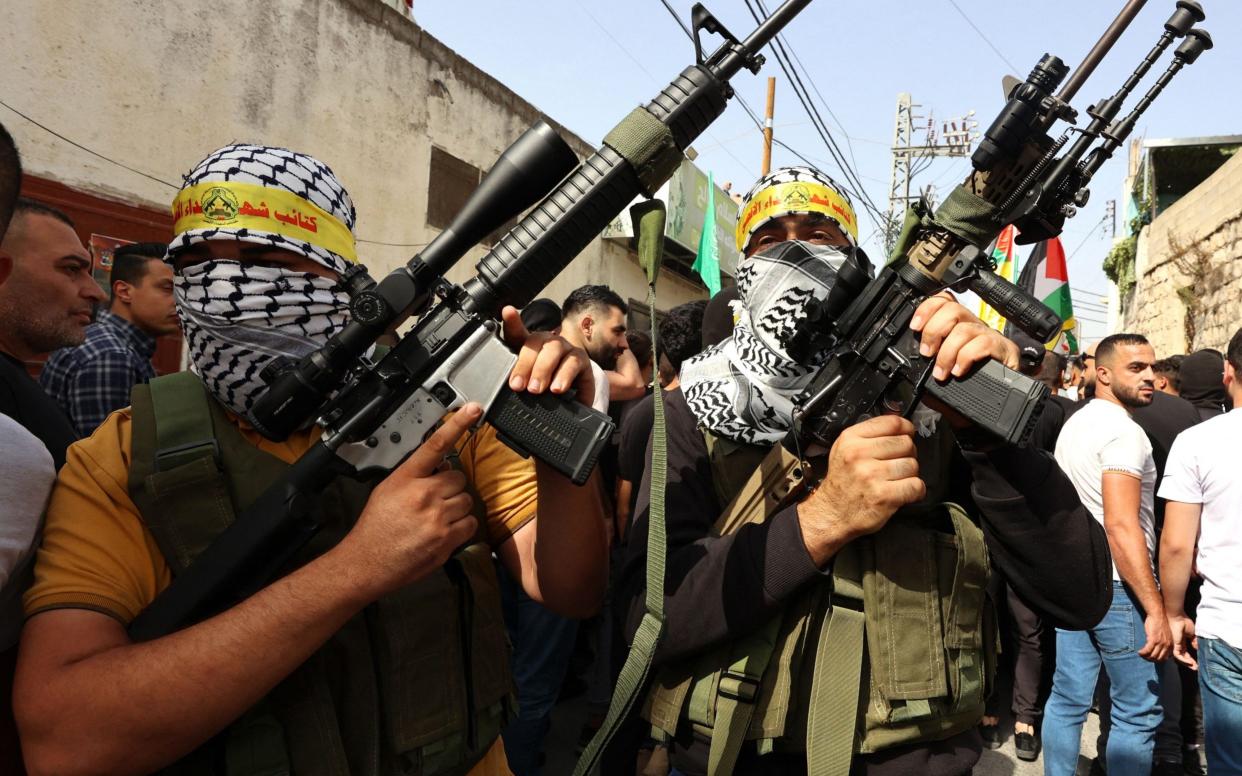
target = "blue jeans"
x: 542, y: 644
x: 1220, y: 683
x: 1135, y: 692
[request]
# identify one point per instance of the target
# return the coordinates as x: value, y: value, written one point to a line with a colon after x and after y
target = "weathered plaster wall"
x: 156, y: 85
x: 1207, y: 220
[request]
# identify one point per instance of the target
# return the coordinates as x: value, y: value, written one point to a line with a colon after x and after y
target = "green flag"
x: 707, y: 262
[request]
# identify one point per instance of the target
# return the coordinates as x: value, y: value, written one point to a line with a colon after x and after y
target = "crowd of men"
x: 841, y: 610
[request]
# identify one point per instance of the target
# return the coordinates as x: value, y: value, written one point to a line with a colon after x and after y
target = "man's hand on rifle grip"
x: 957, y: 338
x: 546, y: 361
x: 419, y: 515
x: 873, y: 471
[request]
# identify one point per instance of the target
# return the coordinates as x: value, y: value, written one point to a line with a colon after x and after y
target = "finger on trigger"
x: 427, y: 457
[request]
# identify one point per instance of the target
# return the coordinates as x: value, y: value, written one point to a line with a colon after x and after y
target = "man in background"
x: 1202, y: 382
x: 1168, y: 378
x: 1108, y: 458
x: 92, y: 380
x: 47, y: 299
x: 25, y: 482
x: 1204, y: 493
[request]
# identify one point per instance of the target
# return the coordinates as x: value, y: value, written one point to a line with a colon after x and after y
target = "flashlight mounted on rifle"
x: 1018, y: 178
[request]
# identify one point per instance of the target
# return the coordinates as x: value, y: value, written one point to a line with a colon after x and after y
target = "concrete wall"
x: 157, y: 85
x: 1210, y: 219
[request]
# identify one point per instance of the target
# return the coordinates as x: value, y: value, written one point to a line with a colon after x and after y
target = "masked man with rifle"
x: 381, y: 649
x: 847, y: 629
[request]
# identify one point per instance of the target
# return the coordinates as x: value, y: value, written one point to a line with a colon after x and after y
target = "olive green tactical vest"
x: 896, y: 648
x: 416, y: 683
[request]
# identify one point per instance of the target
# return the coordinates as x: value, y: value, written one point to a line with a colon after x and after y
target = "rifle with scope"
x: 1018, y: 178
x: 375, y: 414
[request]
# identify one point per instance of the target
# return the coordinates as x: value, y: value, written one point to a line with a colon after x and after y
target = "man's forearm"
x: 571, y: 556
x: 139, y: 707
x: 1177, y: 549
x: 1129, y: 547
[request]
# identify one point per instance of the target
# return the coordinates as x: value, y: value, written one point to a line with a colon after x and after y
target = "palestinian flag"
x: 1046, y: 278
x: 1004, y: 253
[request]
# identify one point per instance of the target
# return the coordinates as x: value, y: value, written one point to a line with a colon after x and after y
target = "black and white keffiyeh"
x: 279, y: 169
x: 238, y: 317
x: 743, y: 388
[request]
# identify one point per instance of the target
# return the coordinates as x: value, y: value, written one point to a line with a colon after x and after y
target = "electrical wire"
x: 827, y: 107
x: 749, y: 168
x: 161, y: 181
x: 800, y: 91
x: 973, y: 26
x: 92, y: 152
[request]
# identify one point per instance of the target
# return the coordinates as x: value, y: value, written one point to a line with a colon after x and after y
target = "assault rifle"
x: 375, y: 414
x: 1017, y: 178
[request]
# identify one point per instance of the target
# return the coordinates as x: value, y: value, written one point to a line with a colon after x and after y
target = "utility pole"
x: 767, y: 127
x: 953, y: 139
x: 1110, y: 213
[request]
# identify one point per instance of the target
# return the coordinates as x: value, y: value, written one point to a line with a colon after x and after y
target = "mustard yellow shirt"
x: 98, y: 554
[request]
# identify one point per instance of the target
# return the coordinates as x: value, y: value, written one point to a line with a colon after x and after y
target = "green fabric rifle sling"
x: 647, y: 144
x: 648, y: 218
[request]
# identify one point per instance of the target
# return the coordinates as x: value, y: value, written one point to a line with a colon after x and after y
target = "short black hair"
x: 1234, y: 352
x: 592, y: 298
x: 28, y: 206
x: 129, y: 262
x: 681, y: 332
x: 1051, y: 370
x: 1170, y: 369
x: 1112, y: 342
x: 541, y: 315
x: 10, y: 178
x: 640, y: 346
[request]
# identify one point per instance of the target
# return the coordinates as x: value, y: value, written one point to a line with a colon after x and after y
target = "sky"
x: 587, y: 63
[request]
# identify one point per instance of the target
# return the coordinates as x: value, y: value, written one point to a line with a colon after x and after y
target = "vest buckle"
x: 738, y: 687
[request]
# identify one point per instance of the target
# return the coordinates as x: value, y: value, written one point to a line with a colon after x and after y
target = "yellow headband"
x: 795, y: 197
x: 231, y: 205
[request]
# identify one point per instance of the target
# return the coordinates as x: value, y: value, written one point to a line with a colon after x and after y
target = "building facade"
x: 406, y: 124
x: 1186, y: 292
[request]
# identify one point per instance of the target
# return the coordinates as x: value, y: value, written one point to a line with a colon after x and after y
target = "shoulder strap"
x: 175, y: 468
x: 183, y: 429
x: 648, y: 219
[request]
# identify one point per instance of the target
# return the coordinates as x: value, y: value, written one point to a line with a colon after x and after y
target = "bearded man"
x: 381, y: 649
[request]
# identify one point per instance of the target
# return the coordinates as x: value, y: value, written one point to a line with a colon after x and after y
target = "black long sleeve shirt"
x: 1038, y: 534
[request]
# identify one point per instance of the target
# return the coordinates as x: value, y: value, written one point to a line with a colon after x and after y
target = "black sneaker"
x: 1026, y: 745
x: 991, y: 736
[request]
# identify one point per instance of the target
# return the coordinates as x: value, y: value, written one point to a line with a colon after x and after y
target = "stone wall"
x: 157, y: 85
x: 1205, y: 228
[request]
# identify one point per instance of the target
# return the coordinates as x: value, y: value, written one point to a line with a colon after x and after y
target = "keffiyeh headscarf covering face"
x: 743, y: 388
x: 238, y: 317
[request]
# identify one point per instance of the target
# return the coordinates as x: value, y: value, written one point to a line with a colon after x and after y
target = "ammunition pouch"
x: 896, y: 647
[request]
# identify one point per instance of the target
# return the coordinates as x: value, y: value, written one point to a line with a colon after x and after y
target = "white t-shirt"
x: 600, y: 400
x: 26, y: 478
x: 1102, y: 437
x: 1205, y: 467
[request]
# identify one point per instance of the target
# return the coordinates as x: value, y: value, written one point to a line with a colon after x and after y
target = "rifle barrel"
x: 1099, y: 50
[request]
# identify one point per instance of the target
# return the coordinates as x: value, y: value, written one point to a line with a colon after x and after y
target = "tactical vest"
x: 416, y: 683
x: 896, y: 647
